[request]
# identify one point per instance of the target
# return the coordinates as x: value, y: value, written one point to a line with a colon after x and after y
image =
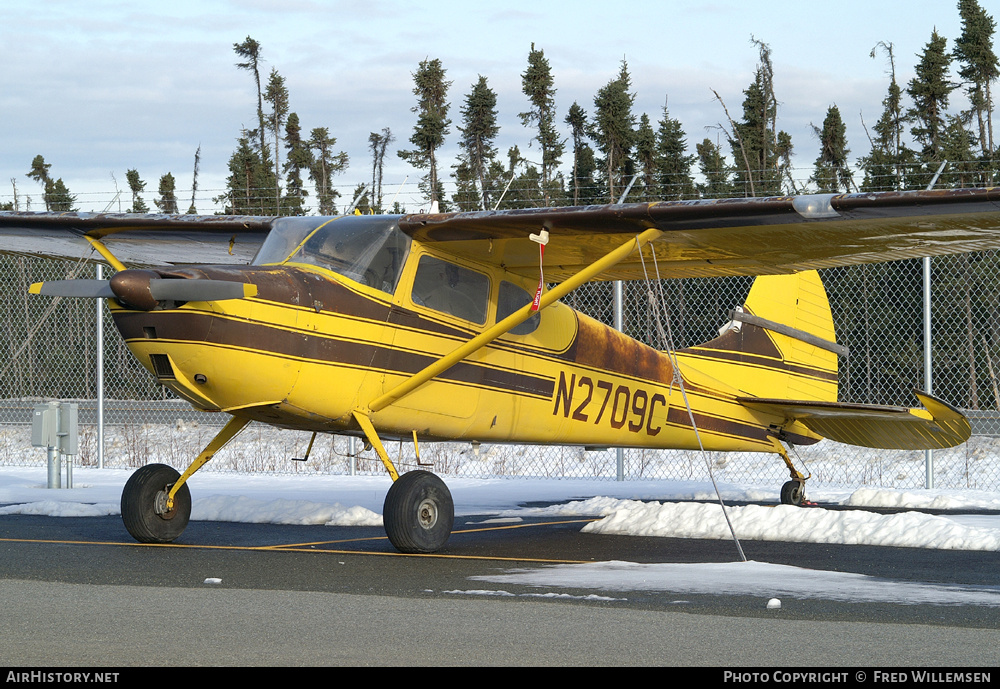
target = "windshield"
x: 369, y: 249
x: 285, y: 235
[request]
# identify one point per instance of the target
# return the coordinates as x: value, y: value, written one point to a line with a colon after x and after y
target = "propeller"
x: 145, y: 289
x: 93, y: 289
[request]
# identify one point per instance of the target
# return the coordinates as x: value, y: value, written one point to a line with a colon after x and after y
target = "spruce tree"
x: 240, y: 193
x: 431, y: 91
x: 978, y: 66
x: 250, y: 185
x: 250, y: 50
x: 583, y: 163
x: 929, y: 90
x: 673, y: 163
x: 59, y: 199
x: 645, y: 157
x: 716, y: 170
x: 167, y: 201
x: 299, y: 161
x: 888, y: 162
x: 831, y: 172
x: 136, y: 186
x: 325, y: 164
x: 194, y: 182
x: 525, y: 182
x: 958, y: 148
x: 756, y: 141
x: 40, y: 173
x: 55, y: 194
x: 613, y: 130
x: 466, y: 196
x: 478, y: 133
x: 378, y: 143
x: 277, y: 97
x: 537, y: 84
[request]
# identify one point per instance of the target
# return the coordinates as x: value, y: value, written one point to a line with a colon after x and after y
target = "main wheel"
x: 418, y: 513
x: 144, y: 501
x: 793, y: 493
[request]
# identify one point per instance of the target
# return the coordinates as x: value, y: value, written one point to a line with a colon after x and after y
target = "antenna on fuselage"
x: 357, y: 200
x: 628, y: 189
x: 393, y: 202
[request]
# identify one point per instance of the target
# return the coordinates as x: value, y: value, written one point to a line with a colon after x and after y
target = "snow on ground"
x: 639, y: 508
x: 751, y: 578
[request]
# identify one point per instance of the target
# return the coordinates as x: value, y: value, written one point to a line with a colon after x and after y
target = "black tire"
x: 418, y: 513
x: 147, y: 486
x: 793, y: 493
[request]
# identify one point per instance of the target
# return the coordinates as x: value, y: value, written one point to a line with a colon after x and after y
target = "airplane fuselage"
x: 314, y: 345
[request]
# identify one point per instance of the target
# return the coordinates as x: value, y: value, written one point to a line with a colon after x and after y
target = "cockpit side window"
x: 451, y: 289
x: 512, y: 298
x: 370, y: 250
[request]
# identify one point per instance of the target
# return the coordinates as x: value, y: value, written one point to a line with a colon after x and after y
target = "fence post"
x: 928, y: 367
x: 100, y: 374
x: 928, y: 364
x: 619, y: 326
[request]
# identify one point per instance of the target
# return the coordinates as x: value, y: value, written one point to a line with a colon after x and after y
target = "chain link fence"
x: 49, y: 350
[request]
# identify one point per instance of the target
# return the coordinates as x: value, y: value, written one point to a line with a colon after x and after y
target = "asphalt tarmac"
x: 79, y: 591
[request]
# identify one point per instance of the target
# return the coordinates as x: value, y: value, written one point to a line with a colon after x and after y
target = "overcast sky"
x: 102, y: 86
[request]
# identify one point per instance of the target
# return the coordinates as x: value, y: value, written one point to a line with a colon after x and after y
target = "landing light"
x: 815, y: 206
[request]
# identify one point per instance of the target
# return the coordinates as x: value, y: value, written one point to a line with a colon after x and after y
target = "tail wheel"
x: 793, y: 493
x: 418, y: 513
x: 144, y: 501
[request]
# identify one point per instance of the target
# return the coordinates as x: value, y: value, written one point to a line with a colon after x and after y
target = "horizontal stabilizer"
x: 937, y: 426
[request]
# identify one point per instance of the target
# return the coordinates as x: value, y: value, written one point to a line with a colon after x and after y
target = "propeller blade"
x: 199, y: 290
x: 88, y: 289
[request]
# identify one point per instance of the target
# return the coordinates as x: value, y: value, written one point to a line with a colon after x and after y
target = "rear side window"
x: 511, y: 299
x: 451, y: 289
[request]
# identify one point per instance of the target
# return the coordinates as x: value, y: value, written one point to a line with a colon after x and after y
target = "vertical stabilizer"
x: 781, y: 344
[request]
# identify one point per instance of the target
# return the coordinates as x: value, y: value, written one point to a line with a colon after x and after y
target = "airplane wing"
x: 138, y: 240
x: 704, y: 238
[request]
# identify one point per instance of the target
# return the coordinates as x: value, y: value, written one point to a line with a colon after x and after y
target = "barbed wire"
x: 411, y: 196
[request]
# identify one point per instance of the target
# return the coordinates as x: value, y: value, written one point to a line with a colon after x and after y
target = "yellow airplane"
x: 449, y: 327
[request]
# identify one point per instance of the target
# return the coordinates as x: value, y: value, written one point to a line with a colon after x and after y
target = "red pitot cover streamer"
x: 541, y: 278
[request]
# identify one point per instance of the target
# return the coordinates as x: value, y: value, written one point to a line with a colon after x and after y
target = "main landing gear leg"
x: 419, y: 512
x: 156, y: 502
x: 792, y: 492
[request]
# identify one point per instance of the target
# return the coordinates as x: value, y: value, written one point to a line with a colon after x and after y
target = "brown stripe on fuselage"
x: 297, y: 287
x: 678, y: 416
x: 185, y: 326
x: 752, y: 345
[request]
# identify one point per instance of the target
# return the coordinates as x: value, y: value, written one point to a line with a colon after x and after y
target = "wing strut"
x: 105, y: 252
x: 608, y: 261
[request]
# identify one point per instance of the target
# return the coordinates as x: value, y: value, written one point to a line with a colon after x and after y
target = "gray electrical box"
x: 55, y: 426
x: 69, y: 432
x: 45, y: 425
